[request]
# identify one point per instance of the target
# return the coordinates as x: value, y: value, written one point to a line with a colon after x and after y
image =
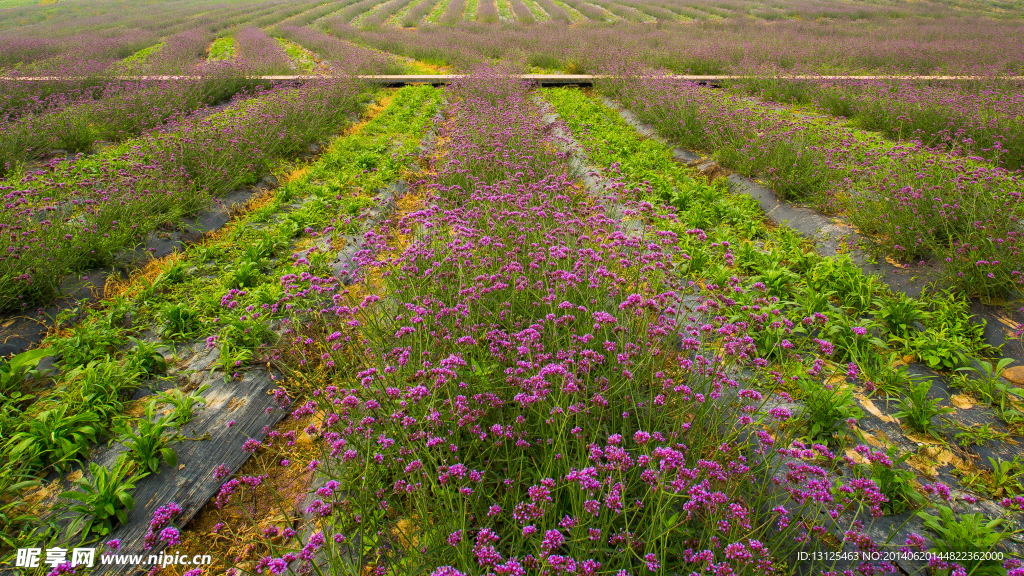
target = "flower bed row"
x: 121, y: 111
x: 915, y: 202
x: 980, y: 118
x: 81, y: 213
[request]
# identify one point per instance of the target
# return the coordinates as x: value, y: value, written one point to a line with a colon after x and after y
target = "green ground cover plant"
x: 223, y: 48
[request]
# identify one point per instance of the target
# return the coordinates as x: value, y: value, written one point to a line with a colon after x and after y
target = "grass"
x: 141, y: 56
x: 505, y: 11
x: 303, y: 59
x: 437, y: 11
x: 222, y: 48
x: 574, y: 14
x: 537, y: 11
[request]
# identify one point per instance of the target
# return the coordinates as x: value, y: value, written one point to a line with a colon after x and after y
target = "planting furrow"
x: 420, y: 12
x: 342, y: 56
x: 179, y: 305
x: 555, y: 11
x: 222, y: 48
x: 309, y: 16
x: 439, y: 9
x: 301, y: 59
x: 521, y: 12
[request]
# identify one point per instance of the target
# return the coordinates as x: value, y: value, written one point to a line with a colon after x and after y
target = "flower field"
x: 263, y: 314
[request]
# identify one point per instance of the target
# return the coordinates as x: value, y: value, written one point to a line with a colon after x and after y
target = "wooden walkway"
x: 542, y: 79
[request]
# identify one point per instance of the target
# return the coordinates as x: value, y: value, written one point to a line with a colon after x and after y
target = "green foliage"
x: 147, y: 445
x: 850, y: 286
x: 265, y: 245
x: 848, y: 344
x: 222, y: 48
x: 966, y: 533
x: 17, y: 372
x: 949, y: 314
x: 87, y: 342
x: 184, y: 404
x: 888, y: 378
x: 232, y: 359
x: 899, y: 313
x: 104, y: 498
x: 14, y: 514
x: 242, y: 274
x: 896, y: 483
x: 989, y: 385
x: 179, y: 321
x: 978, y: 435
x: 54, y: 438
x: 175, y: 274
x: 1006, y: 477
x: 940, y: 349
x: 826, y: 411
x: 99, y: 386
x: 248, y: 333
x: 917, y: 409
x: 146, y: 358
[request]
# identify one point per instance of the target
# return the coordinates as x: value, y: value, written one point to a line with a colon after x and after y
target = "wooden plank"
x: 209, y: 443
x: 543, y: 79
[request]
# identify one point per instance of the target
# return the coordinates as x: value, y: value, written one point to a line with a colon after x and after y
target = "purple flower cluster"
x: 160, y: 529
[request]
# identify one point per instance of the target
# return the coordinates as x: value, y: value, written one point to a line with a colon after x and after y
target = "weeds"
x: 149, y: 444
x: 54, y: 438
x: 104, y: 498
x: 184, y: 404
x: 918, y: 410
x: 953, y: 533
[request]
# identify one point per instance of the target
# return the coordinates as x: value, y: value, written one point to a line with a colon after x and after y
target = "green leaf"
x: 127, y: 500
x: 170, y: 456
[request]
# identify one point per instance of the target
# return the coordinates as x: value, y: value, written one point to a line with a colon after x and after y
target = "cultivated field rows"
x: 565, y: 348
